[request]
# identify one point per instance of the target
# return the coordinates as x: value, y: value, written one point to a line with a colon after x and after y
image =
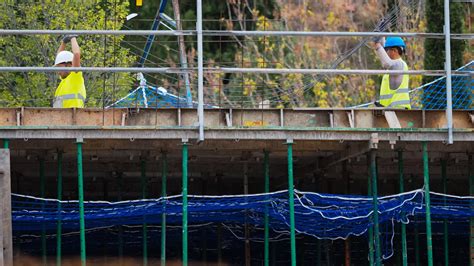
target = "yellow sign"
x: 139, y: 2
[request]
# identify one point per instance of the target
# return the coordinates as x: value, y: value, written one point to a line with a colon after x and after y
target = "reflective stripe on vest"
x: 71, y: 96
x: 59, y: 100
x: 399, y: 98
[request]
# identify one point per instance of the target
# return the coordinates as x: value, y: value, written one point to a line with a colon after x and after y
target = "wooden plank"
x: 392, y: 119
x: 5, y: 204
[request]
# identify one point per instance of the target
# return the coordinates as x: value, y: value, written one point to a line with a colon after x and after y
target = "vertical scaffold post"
x: 426, y: 175
x: 403, y: 226
x: 60, y: 197
x: 289, y: 144
x: 43, y: 225
x: 373, y: 173
x: 144, y: 225
x: 445, y: 221
x: 200, y: 55
x: 80, y: 181
x: 163, y: 215
x: 417, y: 243
x: 447, y: 67
x: 267, y: 190
x: 120, y: 228
x: 185, y: 202
x: 371, y: 229
x: 6, y: 143
x: 471, y: 192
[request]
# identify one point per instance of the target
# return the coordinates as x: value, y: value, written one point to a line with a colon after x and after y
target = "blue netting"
x: 432, y: 96
x: 323, y: 216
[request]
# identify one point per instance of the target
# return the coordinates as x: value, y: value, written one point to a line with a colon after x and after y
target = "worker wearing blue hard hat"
x: 394, y: 90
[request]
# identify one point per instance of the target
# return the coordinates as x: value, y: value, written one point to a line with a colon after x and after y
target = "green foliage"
x: 435, y: 55
x: 37, y: 89
x: 434, y: 48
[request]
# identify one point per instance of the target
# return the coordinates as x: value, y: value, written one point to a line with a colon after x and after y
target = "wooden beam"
x: 6, y: 258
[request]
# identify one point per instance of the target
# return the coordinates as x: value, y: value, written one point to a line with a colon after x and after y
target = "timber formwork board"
x: 225, y: 124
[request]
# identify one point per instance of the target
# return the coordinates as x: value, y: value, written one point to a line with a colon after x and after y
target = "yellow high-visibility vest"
x: 395, y: 98
x: 71, y: 92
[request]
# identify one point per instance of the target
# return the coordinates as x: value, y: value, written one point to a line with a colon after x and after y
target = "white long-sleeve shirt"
x: 390, y: 64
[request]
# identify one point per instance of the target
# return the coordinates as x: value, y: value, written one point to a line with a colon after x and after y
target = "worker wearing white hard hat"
x: 71, y: 92
x: 394, y: 90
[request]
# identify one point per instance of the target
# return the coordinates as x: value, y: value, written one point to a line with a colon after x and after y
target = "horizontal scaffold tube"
x: 236, y: 70
x: 465, y: 36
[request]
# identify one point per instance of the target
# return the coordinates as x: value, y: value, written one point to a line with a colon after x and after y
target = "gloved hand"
x: 67, y: 38
x: 382, y: 25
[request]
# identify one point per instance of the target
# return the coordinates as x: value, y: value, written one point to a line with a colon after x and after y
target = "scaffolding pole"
x: 185, y: 203
x: 266, y: 258
x: 43, y: 226
x: 471, y: 192
x: 447, y: 67
x: 403, y: 226
x: 60, y: 197
x: 417, y: 244
x: 80, y: 181
x: 371, y: 230
x: 144, y: 184
x: 163, y: 215
x: 373, y: 174
x: 445, y: 221
x: 289, y: 144
x: 200, y: 55
x: 120, y: 228
x: 426, y: 175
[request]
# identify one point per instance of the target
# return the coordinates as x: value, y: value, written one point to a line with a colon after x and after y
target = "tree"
x: 435, y: 48
x: 37, y: 89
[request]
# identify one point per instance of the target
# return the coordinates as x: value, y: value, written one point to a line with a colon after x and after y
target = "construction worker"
x: 71, y: 92
x: 394, y: 90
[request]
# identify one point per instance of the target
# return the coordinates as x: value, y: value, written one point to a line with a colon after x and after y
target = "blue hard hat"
x: 394, y: 42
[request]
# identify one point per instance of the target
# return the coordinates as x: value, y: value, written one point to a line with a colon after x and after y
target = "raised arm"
x: 387, y: 63
x: 76, y: 61
x: 62, y: 47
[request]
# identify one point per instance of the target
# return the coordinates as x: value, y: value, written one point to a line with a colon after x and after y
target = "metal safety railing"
x: 201, y: 70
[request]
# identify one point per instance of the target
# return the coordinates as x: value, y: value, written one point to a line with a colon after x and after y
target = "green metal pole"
x: 43, y: 228
x: 373, y: 170
x: 371, y: 229
x: 429, y: 243
x: 163, y: 215
x: 6, y: 143
x: 289, y: 144
x: 185, y: 204
x: 417, y: 244
x: 445, y: 222
x: 80, y: 182
x: 403, y: 226
x: 471, y: 192
x: 144, y: 196
x: 267, y: 190
x: 60, y: 197
x: 120, y: 229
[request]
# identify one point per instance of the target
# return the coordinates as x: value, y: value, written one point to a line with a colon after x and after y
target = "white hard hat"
x: 63, y: 57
